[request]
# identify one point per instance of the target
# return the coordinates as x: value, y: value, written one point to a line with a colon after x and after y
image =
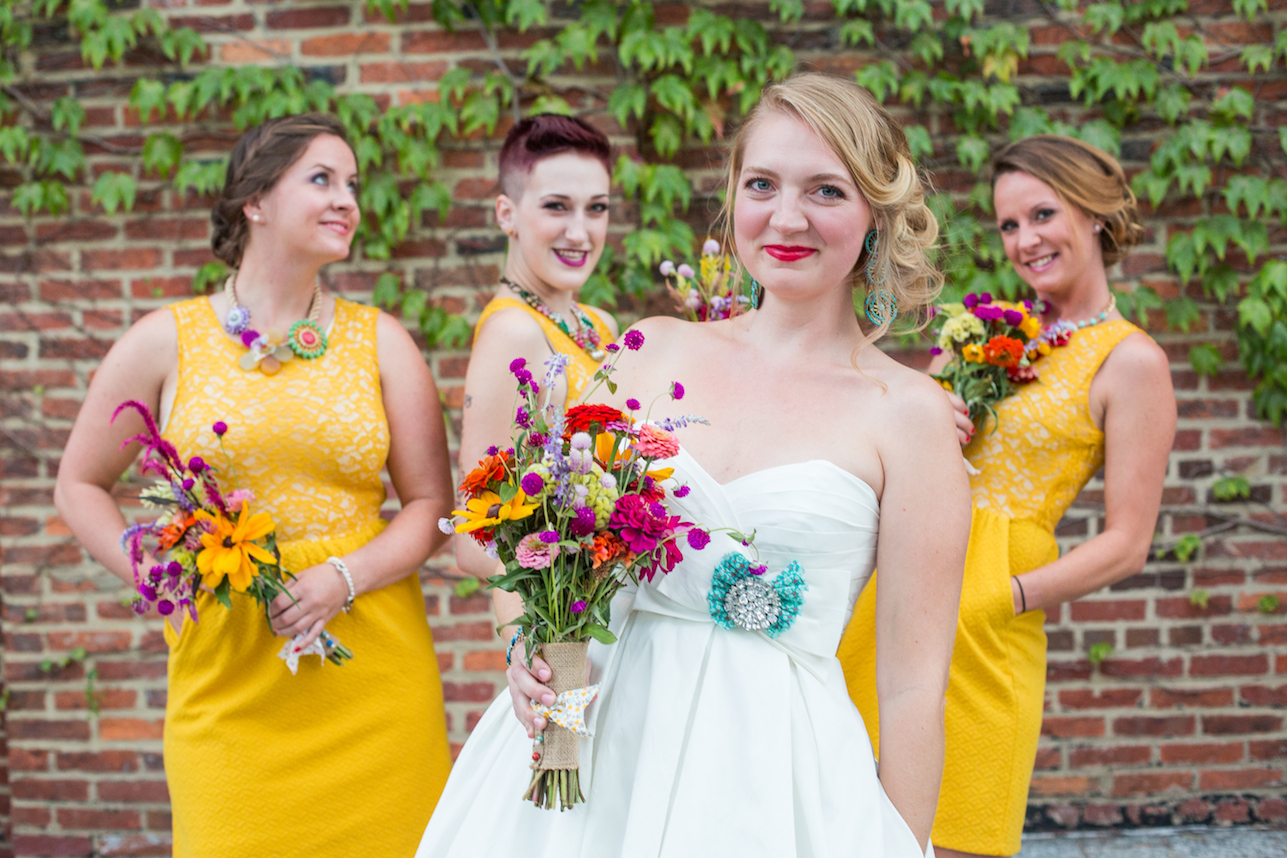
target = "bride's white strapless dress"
x: 708, y: 741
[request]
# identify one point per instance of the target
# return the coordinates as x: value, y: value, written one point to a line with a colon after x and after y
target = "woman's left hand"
x: 320, y: 594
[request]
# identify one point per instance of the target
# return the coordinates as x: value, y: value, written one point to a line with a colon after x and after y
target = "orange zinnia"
x: 607, y: 547
x: 490, y: 468
x: 173, y: 532
x: 1003, y: 351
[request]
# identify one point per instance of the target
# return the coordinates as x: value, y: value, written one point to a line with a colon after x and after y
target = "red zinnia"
x: 1003, y: 351
x: 579, y: 417
x: 490, y: 468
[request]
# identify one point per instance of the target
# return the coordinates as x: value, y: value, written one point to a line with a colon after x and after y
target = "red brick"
x: 1060, y: 785
x: 51, y: 844
x: 116, y: 820
x: 1229, y: 665
x: 1121, y: 755
x: 485, y: 660
x: 468, y: 692
x: 1150, y: 783
x: 1183, y: 698
x: 1240, y: 779
x: 46, y: 789
x: 316, y: 16
x: 346, y: 44
x: 481, y: 631
x: 136, y: 258
x: 1252, y: 436
x: 98, y: 761
x: 1104, y: 611
x: 116, y: 729
x: 1233, y: 725
x: 1199, y: 754
x: 1064, y: 728
x: 22, y: 728
x: 402, y: 72
x: 132, y: 791
x: 1173, y: 725
x: 1272, y: 749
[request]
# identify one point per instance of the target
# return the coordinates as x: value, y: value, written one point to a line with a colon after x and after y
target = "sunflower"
x: 230, y: 550
x: 488, y: 510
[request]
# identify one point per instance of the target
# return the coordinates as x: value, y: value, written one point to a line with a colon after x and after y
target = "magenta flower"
x: 578, y: 606
x: 633, y: 404
x: 1013, y: 318
x: 196, y: 464
x: 935, y: 350
x: 970, y: 301
x: 532, y: 484
x: 682, y: 491
x: 516, y: 364
x: 613, y: 347
x: 633, y: 340
x: 583, y: 524
x: 522, y: 418
x: 165, y: 607
x: 248, y: 337
x: 676, y: 390
x: 219, y: 428
x: 698, y: 539
x: 549, y: 536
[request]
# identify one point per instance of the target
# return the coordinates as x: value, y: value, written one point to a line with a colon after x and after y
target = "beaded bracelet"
x: 348, y: 579
x: 509, y: 650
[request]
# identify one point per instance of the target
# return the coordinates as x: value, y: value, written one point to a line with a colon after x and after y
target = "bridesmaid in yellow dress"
x: 553, y: 206
x: 1065, y: 212
x: 342, y: 761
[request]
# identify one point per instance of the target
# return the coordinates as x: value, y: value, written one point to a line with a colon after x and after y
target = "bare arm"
x: 924, y: 528
x: 93, y: 461
x: 421, y: 474
x: 1139, y: 429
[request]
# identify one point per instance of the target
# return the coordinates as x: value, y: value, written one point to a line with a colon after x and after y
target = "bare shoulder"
x: 154, y: 336
x: 1137, y: 358
x: 390, y: 333
x: 912, y: 401
x: 512, y: 328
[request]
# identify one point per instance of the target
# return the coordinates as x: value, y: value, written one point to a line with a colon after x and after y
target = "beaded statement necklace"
x: 1058, y: 332
x: 268, y: 351
x: 585, y: 336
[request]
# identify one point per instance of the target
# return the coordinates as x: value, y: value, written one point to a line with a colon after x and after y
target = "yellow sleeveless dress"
x: 581, y: 367
x: 1032, y: 468
x: 339, y: 761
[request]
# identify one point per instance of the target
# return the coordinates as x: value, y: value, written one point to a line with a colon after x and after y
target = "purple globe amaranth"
x: 698, y: 539
x: 583, y: 524
x: 633, y: 340
x: 532, y: 484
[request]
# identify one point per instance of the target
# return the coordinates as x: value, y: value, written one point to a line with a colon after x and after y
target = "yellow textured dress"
x: 339, y: 761
x: 581, y: 367
x: 1032, y: 468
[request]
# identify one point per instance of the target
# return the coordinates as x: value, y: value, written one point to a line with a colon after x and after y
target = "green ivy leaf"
x: 1205, y: 359
x: 880, y: 79
x: 1267, y: 604
x: 67, y: 114
x: 667, y: 134
x: 209, y: 276
x: 525, y: 13
x: 972, y: 152
x: 114, y: 191
x: 1099, y: 652
x: 1231, y: 488
x: 855, y: 31
x: 1107, y: 17
x: 1182, y: 312
x: 1248, y: 8
x: 204, y: 177
x: 387, y: 289
x: 15, y: 144
x: 161, y: 153
x: 1197, y: 598
x: 918, y: 140
x: 1257, y: 56
x: 1256, y: 314
x: 1172, y: 103
x: 1184, y: 549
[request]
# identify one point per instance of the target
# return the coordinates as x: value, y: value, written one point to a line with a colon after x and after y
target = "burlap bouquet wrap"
x: 562, y: 748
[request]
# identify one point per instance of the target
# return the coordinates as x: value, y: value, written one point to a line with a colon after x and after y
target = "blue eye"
x: 322, y: 177
x: 831, y: 192
x: 761, y: 185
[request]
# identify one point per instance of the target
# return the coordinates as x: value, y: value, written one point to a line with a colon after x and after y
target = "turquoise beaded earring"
x: 881, y: 305
x: 757, y: 294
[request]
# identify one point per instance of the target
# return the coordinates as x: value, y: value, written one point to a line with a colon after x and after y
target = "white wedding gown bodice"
x: 708, y: 740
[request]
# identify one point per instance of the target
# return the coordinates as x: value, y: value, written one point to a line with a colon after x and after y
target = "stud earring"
x: 255, y: 218
x: 1098, y: 227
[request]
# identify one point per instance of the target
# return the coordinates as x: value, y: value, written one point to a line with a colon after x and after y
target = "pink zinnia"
x: 533, y: 553
x: 656, y: 443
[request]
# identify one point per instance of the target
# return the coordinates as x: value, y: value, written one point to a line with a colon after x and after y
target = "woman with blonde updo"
x: 302, y: 399
x: 723, y: 725
x: 1066, y: 213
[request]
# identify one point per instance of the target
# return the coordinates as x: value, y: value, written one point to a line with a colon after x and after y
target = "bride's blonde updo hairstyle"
x: 1083, y: 176
x: 874, y: 149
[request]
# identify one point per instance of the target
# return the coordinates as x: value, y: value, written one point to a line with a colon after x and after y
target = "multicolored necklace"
x: 586, y: 337
x: 268, y: 351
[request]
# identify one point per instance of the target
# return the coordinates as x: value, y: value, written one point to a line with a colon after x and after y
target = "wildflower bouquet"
x: 205, y: 537
x: 573, y: 509
x: 994, y: 346
x: 712, y: 294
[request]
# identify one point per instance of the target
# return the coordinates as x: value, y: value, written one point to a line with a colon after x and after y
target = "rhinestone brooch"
x: 741, y: 597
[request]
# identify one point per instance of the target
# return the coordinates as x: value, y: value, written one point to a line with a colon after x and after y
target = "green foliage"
x: 466, y: 587
x: 1267, y: 604
x: 1231, y: 488
x: 1187, y: 546
x: 1098, y: 652
x: 1199, y: 599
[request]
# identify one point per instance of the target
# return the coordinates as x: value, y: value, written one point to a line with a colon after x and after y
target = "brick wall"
x: 1182, y: 722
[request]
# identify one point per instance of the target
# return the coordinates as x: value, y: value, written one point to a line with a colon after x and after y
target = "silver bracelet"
x: 343, y: 569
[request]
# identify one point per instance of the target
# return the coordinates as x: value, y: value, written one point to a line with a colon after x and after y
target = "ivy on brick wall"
x: 1132, y: 64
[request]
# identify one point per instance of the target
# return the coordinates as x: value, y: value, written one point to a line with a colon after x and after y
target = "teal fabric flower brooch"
x: 740, y: 597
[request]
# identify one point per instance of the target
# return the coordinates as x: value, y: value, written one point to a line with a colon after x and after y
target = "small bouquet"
x: 574, y: 511
x: 206, y: 536
x: 994, y: 346
x: 710, y: 296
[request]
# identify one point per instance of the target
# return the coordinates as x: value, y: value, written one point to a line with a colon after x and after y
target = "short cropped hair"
x: 542, y: 136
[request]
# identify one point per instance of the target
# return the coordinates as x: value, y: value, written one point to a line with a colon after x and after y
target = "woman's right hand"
x: 526, y: 685
x: 961, y: 411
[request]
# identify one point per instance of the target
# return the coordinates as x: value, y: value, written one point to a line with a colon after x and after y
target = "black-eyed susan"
x: 229, y: 550
x: 488, y: 510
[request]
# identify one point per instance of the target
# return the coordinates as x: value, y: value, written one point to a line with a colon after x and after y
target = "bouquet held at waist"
x: 995, y: 346
x: 206, y: 536
x: 574, y: 511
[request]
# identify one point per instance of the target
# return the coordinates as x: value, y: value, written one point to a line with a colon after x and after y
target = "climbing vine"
x: 682, y: 82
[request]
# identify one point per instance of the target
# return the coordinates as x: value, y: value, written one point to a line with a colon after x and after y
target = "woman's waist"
x: 307, y: 549
x: 1030, y: 541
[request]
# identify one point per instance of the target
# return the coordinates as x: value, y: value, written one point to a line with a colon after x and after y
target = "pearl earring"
x: 1098, y: 227
x: 255, y: 218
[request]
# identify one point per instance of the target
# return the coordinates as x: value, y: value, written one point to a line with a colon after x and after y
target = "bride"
x: 711, y: 739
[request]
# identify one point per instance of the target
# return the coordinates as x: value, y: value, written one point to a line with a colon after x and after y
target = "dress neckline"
x: 825, y: 462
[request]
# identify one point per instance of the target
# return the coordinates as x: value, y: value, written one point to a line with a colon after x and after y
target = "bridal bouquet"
x: 205, y: 536
x: 709, y: 293
x: 994, y: 346
x: 573, y: 509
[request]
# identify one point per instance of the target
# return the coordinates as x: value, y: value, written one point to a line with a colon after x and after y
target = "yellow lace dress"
x: 581, y: 367
x: 339, y: 761
x: 1032, y: 468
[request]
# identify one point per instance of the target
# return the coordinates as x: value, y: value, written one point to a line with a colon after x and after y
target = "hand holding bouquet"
x: 573, y: 509
x: 994, y: 345
x: 708, y: 294
x: 205, y: 537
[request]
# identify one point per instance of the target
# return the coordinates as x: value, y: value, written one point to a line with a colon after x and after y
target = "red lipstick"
x: 784, y: 253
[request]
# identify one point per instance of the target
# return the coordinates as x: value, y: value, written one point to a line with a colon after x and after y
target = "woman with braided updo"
x: 314, y: 397
x: 1066, y: 213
